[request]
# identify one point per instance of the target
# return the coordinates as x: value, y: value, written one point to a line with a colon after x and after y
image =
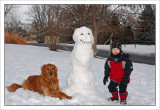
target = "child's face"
x: 115, y: 51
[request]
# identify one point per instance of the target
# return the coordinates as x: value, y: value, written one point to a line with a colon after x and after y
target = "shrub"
x: 11, y: 38
x: 53, y: 46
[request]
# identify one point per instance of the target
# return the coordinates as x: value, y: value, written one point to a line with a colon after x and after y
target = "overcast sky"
x: 21, y: 10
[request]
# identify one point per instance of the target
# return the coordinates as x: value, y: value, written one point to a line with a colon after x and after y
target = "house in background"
x: 57, y: 35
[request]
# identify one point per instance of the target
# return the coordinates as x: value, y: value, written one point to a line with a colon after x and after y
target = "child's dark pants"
x: 113, y: 87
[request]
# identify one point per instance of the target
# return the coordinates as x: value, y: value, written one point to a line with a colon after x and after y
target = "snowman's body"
x: 81, y: 77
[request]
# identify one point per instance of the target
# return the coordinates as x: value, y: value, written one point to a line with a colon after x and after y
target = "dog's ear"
x: 43, y: 69
x: 55, y: 71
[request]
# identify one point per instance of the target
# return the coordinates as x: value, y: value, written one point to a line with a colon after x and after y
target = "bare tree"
x: 96, y: 17
x: 44, y: 17
x: 8, y: 8
x: 12, y: 21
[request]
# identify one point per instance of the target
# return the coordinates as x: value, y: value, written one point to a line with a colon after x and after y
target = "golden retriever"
x: 46, y: 84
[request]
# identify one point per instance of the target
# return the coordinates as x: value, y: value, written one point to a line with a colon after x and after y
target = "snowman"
x: 80, y: 80
x: 80, y: 76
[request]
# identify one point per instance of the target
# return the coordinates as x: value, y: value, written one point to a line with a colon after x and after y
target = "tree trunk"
x: 95, y: 34
x: 95, y: 30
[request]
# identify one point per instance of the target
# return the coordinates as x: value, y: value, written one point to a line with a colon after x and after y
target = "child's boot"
x: 123, y: 97
x: 114, y: 96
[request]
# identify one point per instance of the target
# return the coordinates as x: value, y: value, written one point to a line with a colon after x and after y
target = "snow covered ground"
x: 147, y: 50
x: 22, y: 61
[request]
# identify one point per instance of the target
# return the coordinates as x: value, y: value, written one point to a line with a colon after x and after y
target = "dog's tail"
x: 13, y: 87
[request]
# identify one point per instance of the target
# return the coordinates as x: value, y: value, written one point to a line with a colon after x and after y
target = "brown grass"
x: 13, y: 39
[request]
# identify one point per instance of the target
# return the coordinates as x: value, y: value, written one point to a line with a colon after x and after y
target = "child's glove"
x: 105, y: 79
x: 125, y: 79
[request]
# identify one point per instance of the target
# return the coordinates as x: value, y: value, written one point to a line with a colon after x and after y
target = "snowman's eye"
x: 88, y: 33
x: 81, y: 33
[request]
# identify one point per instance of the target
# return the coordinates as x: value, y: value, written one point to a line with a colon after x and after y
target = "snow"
x: 22, y: 61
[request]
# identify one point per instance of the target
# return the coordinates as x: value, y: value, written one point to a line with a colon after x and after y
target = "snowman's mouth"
x: 86, y: 42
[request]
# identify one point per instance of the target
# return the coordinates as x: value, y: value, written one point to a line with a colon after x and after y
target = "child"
x: 118, y: 68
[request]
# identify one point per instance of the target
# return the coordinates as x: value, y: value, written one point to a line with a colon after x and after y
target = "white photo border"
x: 156, y: 2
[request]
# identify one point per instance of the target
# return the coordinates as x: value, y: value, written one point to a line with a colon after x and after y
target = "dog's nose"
x: 51, y: 74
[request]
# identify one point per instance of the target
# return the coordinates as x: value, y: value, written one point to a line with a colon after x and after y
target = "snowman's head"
x: 83, y: 35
